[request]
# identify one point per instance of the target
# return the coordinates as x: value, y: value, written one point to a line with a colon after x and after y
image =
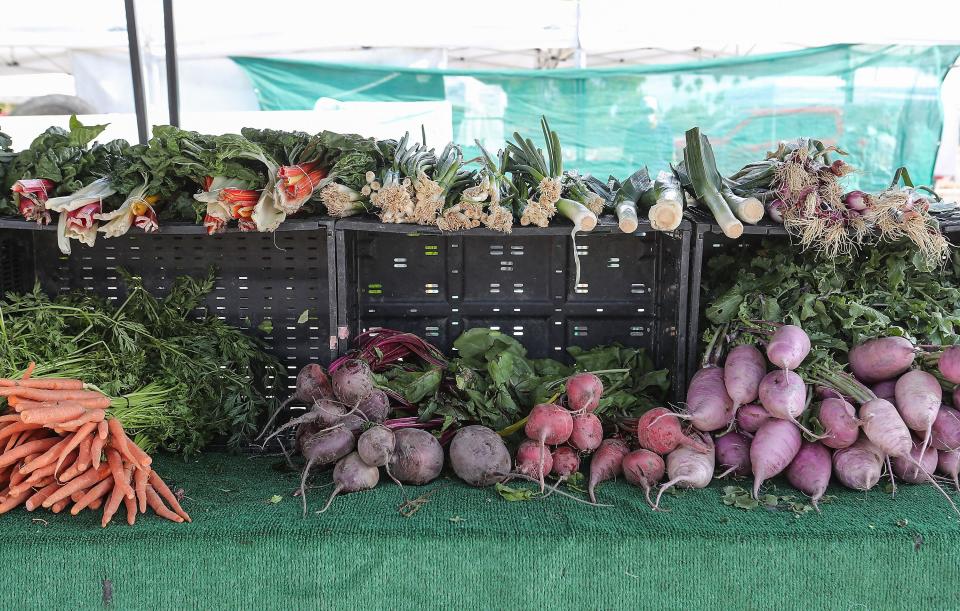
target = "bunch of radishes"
x: 754, y: 416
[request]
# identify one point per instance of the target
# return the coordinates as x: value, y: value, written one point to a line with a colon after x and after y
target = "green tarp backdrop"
x: 881, y: 103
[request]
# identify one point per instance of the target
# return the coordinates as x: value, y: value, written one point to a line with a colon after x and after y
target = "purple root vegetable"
x: 352, y: 382
x: 948, y: 463
x: 751, y: 417
x: 773, y: 449
x: 565, y: 461
x: 587, y: 432
x: 918, y: 398
x: 823, y: 392
x: 784, y: 394
x: 885, y: 389
x: 323, y: 448
x: 733, y: 454
x: 709, y: 407
x: 949, y: 364
x: 884, y: 427
x: 418, y: 458
x: 956, y: 396
x: 534, y: 460
x: 352, y: 475
x: 911, y: 470
x: 643, y: 468
x: 375, y: 406
x: 376, y: 445
x: 325, y: 413
x: 479, y: 457
x: 840, y: 425
x: 788, y: 346
x: 881, y: 359
x: 583, y: 392
x: 742, y: 372
x: 945, y: 433
x: 312, y: 385
x: 775, y: 210
x: 658, y: 430
x: 548, y: 424
x: 858, y: 467
x: 688, y: 468
x: 809, y: 471
x: 607, y: 463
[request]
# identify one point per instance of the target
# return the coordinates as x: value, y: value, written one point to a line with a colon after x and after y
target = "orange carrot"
x: 60, y: 505
x: 90, y: 415
x: 96, y: 504
x: 116, y: 468
x: 99, y: 403
x: 9, y: 502
x: 96, y: 450
x: 79, y: 436
x: 37, y: 499
x: 9, y: 458
x: 16, y: 477
x: 155, y: 503
x: 84, y: 456
x: 118, y: 439
x: 91, y: 495
x: 49, y: 415
x: 9, y: 418
x: 116, y: 497
x: 47, y: 458
x: 43, y: 383
x: 70, y: 472
x: 40, y: 394
x: 29, y: 370
x: 161, y: 487
x: 140, y: 480
x: 83, y: 481
x: 25, y: 486
x: 48, y: 470
x: 142, y: 458
x: 131, y: 510
x: 17, y: 427
x: 102, y: 430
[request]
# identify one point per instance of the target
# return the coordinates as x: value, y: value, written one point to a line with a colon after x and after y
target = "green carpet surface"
x: 250, y: 548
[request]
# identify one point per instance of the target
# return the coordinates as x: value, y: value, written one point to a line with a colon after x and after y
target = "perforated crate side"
x: 633, y: 288
x: 275, y: 276
x: 16, y: 261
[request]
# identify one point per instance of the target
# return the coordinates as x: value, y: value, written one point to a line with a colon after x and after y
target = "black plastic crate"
x: 16, y: 260
x: 633, y: 288
x: 259, y: 276
x: 708, y: 241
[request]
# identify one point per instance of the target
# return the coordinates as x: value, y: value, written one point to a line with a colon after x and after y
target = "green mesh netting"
x: 881, y: 103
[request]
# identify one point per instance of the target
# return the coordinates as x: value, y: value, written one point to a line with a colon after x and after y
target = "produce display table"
x: 469, y: 548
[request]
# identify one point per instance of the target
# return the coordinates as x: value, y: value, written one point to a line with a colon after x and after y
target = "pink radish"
x: 606, y: 464
x: 688, y: 468
x: 784, y: 394
x: 840, y: 425
x: 774, y: 446
x: 788, y: 346
x: 858, y: 467
x: 658, y: 430
x: 884, y: 428
x: 948, y: 463
x: 880, y: 359
x: 708, y: 405
x: 956, y: 397
x: 906, y: 468
x: 945, y: 433
x: 809, y: 472
x: 949, y: 364
x: 885, y: 390
x: 751, y: 417
x: 919, y: 396
x: 732, y: 454
x: 587, y: 432
x: 742, y: 372
x: 530, y: 461
x: 583, y: 392
x: 643, y: 468
x: 565, y: 461
x: 548, y: 424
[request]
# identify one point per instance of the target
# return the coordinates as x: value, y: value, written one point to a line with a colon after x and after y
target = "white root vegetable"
x: 689, y: 468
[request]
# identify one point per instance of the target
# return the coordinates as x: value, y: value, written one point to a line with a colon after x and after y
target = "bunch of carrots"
x: 59, y: 447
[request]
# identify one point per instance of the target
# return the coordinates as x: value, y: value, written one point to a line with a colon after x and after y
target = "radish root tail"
x: 303, y: 485
x: 333, y: 495
x: 274, y: 415
x: 664, y: 488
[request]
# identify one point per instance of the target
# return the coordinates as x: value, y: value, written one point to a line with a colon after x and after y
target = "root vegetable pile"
x: 63, y: 450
